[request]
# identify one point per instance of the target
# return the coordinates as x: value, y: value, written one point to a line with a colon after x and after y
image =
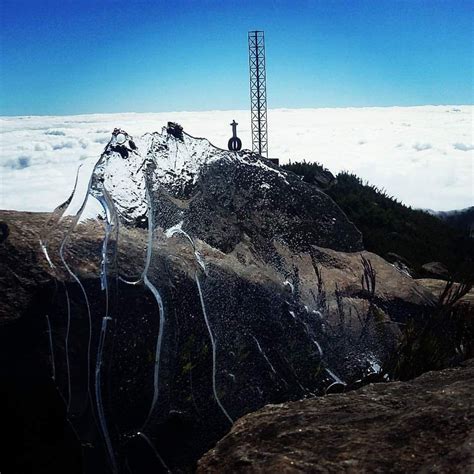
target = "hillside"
x: 388, y: 226
x: 462, y: 219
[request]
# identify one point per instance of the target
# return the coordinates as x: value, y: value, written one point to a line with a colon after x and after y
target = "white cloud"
x: 419, y: 154
x: 463, y: 147
x: 61, y: 145
x: 19, y: 163
x: 422, y: 146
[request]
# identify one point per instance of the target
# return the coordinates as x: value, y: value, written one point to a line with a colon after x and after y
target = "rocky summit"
x: 186, y: 287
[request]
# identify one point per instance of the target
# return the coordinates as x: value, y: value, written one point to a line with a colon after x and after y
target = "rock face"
x: 426, y: 425
x: 435, y: 270
x: 23, y: 270
x: 437, y: 287
x: 190, y: 286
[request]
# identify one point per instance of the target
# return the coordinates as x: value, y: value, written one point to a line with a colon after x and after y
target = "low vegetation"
x: 389, y: 226
x: 442, y: 337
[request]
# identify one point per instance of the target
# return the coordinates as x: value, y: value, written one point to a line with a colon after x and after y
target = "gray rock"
x: 426, y: 425
x: 435, y: 269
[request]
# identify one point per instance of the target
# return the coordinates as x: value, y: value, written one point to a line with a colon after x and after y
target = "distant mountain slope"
x: 389, y: 226
x: 462, y: 219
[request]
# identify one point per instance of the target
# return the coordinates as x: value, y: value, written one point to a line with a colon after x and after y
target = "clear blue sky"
x: 71, y: 57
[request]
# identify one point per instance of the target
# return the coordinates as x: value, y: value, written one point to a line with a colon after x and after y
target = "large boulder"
x: 435, y: 270
x: 426, y: 425
x: 193, y: 285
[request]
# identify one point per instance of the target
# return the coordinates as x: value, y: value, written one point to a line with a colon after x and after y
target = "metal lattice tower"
x: 258, y: 92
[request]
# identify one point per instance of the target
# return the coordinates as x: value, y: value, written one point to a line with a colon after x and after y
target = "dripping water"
x: 150, y: 444
x: 213, y: 344
x: 161, y: 310
x: 177, y: 229
x: 50, y: 336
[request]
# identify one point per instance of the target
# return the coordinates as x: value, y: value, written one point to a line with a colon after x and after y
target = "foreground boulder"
x: 426, y: 425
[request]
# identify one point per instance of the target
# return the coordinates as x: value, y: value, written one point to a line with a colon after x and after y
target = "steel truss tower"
x: 258, y: 92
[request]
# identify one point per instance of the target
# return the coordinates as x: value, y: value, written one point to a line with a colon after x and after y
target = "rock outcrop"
x: 193, y: 285
x: 437, y: 286
x: 435, y: 270
x: 426, y: 425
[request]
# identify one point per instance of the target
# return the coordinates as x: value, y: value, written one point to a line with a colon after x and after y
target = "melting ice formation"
x: 159, y: 340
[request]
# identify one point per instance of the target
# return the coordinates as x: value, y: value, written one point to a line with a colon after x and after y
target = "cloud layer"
x: 421, y: 155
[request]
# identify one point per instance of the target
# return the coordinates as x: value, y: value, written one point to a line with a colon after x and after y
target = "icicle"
x: 53, y: 365
x: 148, y: 441
x: 76, y: 279
x: 86, y: 300
x: 98, y: 395
x: 156, y: 294
x: 263, y: 354
x: 55, y: 218
x: 213, y: 344
x: 177, y: 229
x: 156, y: 373
x: 337, y: 380
x: 66, y: 347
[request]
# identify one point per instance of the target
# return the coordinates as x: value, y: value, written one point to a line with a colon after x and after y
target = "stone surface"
x: 191, y: 286
x: 435, y: 269
x: 426, y: 425
x: 264, y: 293
x: 437, y: 286
x: 24, y: 269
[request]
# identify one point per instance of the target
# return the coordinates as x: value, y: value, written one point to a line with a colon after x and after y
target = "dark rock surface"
x: 191, y: 286
x: 27, y: 282
x: 23, y: 269
x: 426, y: 425
x: 437, y: 286
x: 435, y: 270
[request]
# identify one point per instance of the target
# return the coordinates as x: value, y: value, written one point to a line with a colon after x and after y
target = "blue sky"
x: 72, y: 57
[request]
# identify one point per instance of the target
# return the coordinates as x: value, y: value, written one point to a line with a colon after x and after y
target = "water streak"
x: 161, y: 310
x: 148, y: 441
x: 213, y: 344
x: 53, y: 365
x: 66, y: 346
x: 98, y: 395
x: 177, y: 229
x: 55, y: 218
x: 337, y: 380
x: 263, y: 354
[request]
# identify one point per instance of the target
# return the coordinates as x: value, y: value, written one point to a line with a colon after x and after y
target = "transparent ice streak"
x: 337, y: 380
x: 66, y: 348
x: 98, y: 394
x: 50, y: 336
x: 110, y: 224
x: 177, y: 229
x: 159, y: 342
x: 161, y: 309
x: 83, y: 291
x: 148, y: 441
x: 213, y: 344
x: 263, y: 354
x: 55, y: 218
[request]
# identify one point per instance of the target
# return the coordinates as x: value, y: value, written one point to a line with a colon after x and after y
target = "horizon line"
x: 239, y: 110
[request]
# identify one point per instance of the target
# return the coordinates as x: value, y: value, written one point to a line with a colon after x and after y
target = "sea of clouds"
x: 421, y: 155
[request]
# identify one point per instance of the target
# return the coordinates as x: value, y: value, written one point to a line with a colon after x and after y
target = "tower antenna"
x: 258, y: 92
